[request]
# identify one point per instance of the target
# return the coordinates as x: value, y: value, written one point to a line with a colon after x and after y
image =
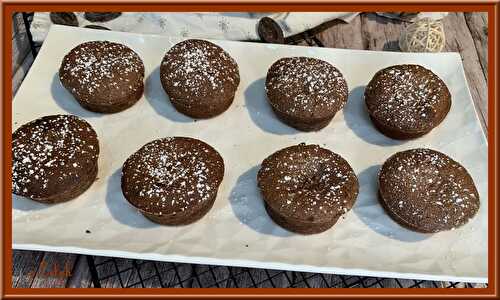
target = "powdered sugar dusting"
x: 308, y: 180
x: 406, y: 96
x: 430, y: 185
x: 101, y: 68
x: 172, y: 174
x: 50, y: 152
x: 198, y: 68
x: 305, y: 85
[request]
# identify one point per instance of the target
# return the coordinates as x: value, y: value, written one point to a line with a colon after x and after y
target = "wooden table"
x: 466, y: 33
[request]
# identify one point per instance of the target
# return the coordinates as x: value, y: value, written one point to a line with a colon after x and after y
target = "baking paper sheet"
x: 237, y: 231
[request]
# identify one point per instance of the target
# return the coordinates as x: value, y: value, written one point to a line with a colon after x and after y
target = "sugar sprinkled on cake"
x: 434, y: 184
x: 101, y: 68
x: 199, y: 68
x: 312, y: 85
x: 406, y: 96
x: 45, y: 151
x: 308, y: 181
x: 172, y: 174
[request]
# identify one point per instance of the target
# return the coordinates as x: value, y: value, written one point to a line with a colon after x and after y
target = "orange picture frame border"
x: 9, y: 7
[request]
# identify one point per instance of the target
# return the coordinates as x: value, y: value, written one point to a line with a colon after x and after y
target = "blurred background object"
x: 425, y: 35
x: 223, y: 25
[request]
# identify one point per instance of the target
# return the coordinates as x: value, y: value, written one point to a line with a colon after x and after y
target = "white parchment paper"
x: 237, y: 231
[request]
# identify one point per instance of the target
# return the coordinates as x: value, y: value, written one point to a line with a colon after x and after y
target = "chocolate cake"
x: 173, y: 181
x: 54, y: 158
x: 200, y: 78
x: 307, y: 188
x: 427, y: 191
x: 103, y: 76
x: 305, y: 92
x: 406, y: 101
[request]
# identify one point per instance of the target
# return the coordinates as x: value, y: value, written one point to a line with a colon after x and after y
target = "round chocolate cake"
x: 427, y: 191
x: 103, y: 76
x: 305, y: 92
x: 200, y: 78
x: 307, y: 188
x: 173, y: 181
x: 406, y: 101
x: 54, y: 158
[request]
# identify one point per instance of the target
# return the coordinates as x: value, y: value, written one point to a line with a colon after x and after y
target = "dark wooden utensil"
x: 270, y: 32
x: 64, y: 18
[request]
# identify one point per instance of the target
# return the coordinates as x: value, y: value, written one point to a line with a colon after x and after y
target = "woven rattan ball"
x: 425, y: 35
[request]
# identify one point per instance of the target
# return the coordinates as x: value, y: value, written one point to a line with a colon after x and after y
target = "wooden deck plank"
x: 379, y: 33
x: 116, y: 272
x: 207, y: 276
x: 239, y: 278
x: 20, y: 73
x: 80, y: 276
x: 55, y: 270
x: 459, y: 39
x: 343, y: 35
x: 20, y: 41
x: 24, y: 267
x: 143, y: 275
x: 478, y: 27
